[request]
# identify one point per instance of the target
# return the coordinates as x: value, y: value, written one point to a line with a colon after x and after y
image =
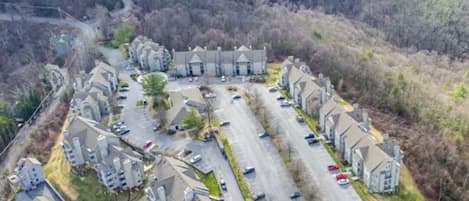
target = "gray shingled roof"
x: 176, y: 176
x: 215, y: 56
x: 86, y: 130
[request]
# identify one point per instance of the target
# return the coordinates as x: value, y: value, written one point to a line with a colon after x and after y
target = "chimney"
x: 102, y: 145
x: 190, y: 48
x: 385, y: 138
x: 397, y: 153
x: 117, y: 163
x: 321, y: 79
x: 328, y: 87
x: 297, y: 60
x: 323, y: 95
x: 366, y: 120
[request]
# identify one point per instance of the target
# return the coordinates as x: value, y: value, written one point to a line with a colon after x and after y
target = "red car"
x: 340, y: 176
x: 332, y: 167
x: 147, y: 144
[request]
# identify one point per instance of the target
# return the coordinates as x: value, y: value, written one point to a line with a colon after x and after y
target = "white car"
x: 343, y: 181
x: 223, y: 78
x: 196, y: 158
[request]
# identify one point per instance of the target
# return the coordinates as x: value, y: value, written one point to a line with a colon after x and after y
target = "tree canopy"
x: 193, y: 120
x: 122, y: 34
x: 153, y: 85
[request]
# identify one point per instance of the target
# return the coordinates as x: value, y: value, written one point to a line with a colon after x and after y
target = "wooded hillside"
x: 421, y: 94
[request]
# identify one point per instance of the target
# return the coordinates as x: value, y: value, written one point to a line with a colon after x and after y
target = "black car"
x: 248, y: 170
x: 236, y: 96
x: 309, y: 135
x: 124, y: 131
x: 263, y: 134
x: 295, y: 195
x: 122, y: 97
x: 313, y: 141
x: 258, y: 196
x: 280, y: 98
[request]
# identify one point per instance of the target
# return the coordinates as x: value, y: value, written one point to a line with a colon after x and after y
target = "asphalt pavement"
x: 271, y: 175
x: 141, y: 124
x: 315, y: 158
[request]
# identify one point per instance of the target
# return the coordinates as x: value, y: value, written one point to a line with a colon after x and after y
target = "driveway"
x: 271, y: 175
x: 315, y: 158
x: 141, y: 126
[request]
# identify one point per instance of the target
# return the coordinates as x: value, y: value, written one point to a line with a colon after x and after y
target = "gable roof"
x: 175, y: 177
x: 242, y: 58
x: 195, y: 59
x: 86, y: 130
x: 219, y: 56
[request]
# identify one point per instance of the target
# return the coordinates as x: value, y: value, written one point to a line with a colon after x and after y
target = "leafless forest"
x: 406, y: 60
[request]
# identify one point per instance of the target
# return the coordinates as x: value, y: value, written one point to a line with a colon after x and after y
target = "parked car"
x: 236, y: 96
x: 272, y: 89
x: 309, y: 136
x: 285, y: 104
x: 343, y: 182
x: 224, y: 123
x: 223, y: 184
x: 300, y: 119
x: 340, y: 176
x: 210, y: 95
x: 295, y: 195
x: 332, y: 167
x: 312, y: 141
x: 124, y: 131
x: 223, y: 78
x: 196, y: 159
x: 147, y: 144
x: 196, y: 79
x: 190, y: 79
x: 264, y: 134
x: 122, y: 97
x: 280, y: 98
x: 248, y: 170
x: 258, y: 196
x: 123, y: 89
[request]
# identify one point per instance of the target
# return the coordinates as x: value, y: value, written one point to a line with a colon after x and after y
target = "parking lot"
x: 271, y: 175
x: 141, y: 124
x: 315, y: 157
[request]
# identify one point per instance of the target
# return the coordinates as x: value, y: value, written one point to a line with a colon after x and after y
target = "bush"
x: 134, y: 76
x: 193, y: 120
x: 123, y: 84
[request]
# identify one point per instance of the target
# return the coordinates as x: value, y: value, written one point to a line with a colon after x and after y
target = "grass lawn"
x: 210, y: 181
x: 273, y: 70
x: 73, y: 187
x: 237, y: 172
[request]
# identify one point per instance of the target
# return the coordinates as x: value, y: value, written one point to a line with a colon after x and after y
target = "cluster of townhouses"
x: 239, y: 61
x: 29, y: 177
x: 150, y: 56
x: 175, y: 180
x: 87, y: 143
x: 94, y: 92
x: 376, y: 164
